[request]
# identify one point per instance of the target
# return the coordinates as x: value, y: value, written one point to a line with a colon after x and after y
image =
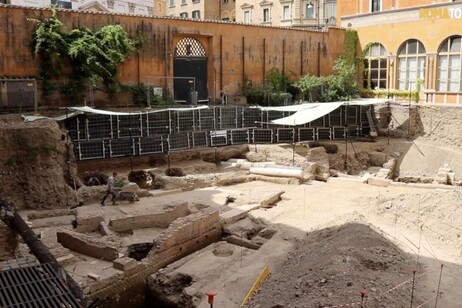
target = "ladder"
x: 373, y: 131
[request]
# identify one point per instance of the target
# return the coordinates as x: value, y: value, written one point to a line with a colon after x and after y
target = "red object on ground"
x: 363, y: 293
x: 211, y: 295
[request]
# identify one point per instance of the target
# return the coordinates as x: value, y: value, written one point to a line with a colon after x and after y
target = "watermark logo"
x: 441, y: 13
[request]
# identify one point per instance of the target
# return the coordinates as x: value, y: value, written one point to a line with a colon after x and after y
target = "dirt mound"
x: 332, y: 266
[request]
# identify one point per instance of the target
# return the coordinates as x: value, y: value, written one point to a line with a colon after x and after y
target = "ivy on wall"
x: 93, y: 55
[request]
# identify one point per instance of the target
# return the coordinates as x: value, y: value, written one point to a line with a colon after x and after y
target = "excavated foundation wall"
x: 34, y: 168
x: 183, y: 237
x: 431, y: 137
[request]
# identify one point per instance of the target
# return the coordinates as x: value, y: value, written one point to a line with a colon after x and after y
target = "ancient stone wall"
x: 161, y: 219
x: 183, y: 237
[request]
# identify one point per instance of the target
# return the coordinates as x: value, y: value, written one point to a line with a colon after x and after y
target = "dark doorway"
x: 190, y: 72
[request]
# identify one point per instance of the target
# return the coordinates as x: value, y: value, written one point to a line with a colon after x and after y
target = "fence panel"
x: 151, y: 145
x: 158, y: 123
x: 206, y: 119
x: 262, y: 136
x: 90, y: 149
x: 218, y: 138
x: 306, y: 134
x: 323, y: 133
x: 285, y: 135
x: 179, y: 141
x: 338, y: 132
x: 239, y: 136
x: 226, y: 117
x: 199, y: 139
x: 121, y: 147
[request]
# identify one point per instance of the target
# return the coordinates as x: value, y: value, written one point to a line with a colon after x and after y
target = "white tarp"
x: 308, y: 115
x: 81, y: 110
x: 309, y: 112
x: 293, y: 108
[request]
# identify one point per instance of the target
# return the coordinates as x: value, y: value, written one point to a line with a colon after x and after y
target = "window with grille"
x: 411, y: 64
x: 449, y: 65
x: 375, y: 67
x: 189, y: 47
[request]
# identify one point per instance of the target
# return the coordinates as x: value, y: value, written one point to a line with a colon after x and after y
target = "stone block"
x: 104, y: 229
x: 94, y: 276
x: 377, y: 159
x: 232, y: 216
x: 383, y: 173
x: 67, y: 259
x: 88, y: 222
x: 379, y: 182
x: 138, y: 268
x: 451, y: 178
x: 124, y: 264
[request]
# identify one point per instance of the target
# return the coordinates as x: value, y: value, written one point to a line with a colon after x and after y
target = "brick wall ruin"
x: 183, y: 237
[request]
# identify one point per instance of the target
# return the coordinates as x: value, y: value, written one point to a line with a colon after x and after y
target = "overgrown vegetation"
x: 93, y: 55
x: 413, y: 95
x: 341, y: 85
x: 277, y: 90
x: 144, y: 95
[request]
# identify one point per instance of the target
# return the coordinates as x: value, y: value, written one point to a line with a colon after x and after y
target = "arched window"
x: 411, y: 64
x: 375, y: 67
x: 449, y: 65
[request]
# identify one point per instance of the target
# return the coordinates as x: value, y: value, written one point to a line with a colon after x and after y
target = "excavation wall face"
x: 235, y: 52
x: 183, y: 237
x: 36, y: 165
x: 8, y: 242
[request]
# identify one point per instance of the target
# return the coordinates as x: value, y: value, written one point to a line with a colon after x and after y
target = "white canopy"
x: 81, y: 110
x: 305, y: 113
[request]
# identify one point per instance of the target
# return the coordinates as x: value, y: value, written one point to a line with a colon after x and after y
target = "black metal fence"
x: 105, y: 136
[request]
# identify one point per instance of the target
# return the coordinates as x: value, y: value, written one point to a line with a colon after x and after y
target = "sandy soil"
x: 423, y: 223
x: 315, y: 206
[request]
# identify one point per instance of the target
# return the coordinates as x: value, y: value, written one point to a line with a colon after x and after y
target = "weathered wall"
x: 183, y: 237
x: 34, y: 166
x: 8, y: 242
x: 235, y: 52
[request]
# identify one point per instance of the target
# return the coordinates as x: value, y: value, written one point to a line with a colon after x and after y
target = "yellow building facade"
x: 407, y: 45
